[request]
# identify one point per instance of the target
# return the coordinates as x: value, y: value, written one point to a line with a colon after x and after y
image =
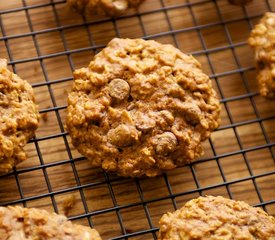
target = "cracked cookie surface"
x: 19, y: 223
x: 103, y: 7
x: 262, y: 39
x: 217, y: 218
x: 141, y: 108
x: 19, y: 118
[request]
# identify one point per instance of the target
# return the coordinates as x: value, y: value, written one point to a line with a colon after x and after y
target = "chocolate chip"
x: 123, y: 135
x: 165, y: 143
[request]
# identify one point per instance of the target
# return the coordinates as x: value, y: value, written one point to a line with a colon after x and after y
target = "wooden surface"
x: 100, y: 192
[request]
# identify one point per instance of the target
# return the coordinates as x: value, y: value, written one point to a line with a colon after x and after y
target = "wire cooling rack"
x: 44, y: 42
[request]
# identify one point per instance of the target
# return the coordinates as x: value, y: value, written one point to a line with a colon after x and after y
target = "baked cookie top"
x: 19, y: 117
x: 31, y: 223
x: 140, y: 108
x: 217, y: 218
x: 103, y: 7
x: 262, y: 39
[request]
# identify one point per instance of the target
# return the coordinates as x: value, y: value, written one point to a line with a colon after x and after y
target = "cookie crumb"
x: 36, y: 68
x: 68, y: 204
x: 45, y: 116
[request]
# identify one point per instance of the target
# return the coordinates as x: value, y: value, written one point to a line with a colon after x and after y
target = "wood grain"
x: 62, y: 176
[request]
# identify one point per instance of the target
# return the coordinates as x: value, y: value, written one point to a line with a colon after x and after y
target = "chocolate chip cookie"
x: 31, y: 223
x: 141, y: 108
x: 19, y: 118
x: 262, y: 39
x: 103, y: 7
x: 217, y: 218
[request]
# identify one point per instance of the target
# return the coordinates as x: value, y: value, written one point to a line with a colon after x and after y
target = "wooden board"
x: 54, y: 41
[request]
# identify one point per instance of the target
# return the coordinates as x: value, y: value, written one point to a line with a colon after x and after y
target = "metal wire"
x: 94, y: 48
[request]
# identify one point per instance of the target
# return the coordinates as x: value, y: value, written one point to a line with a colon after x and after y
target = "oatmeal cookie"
x: 141, y: 108
x: 31, y: 223
x: 262, y: 39
x: 103, y: 7
x: 19, y: 118
x: 239, y: 2
x: 217, y: 218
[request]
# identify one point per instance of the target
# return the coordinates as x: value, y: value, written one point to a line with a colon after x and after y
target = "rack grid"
x: 44, y: 42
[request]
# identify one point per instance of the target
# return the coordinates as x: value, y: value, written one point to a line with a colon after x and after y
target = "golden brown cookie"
x: 239, y: 2
x: 103, y: 7
x: 31, y: 223
x: 141, y: 108
x: 19, y: 118
x: 262, y: 39
x: 217, y: 218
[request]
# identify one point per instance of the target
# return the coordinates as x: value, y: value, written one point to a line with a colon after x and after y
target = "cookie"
x: 239, y: 2
x: 262, y: 40
x: 19, y: 118
x: 141, y: 108
x: 103, y: 7
x: 217, y: 218
x: 31, y: 223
